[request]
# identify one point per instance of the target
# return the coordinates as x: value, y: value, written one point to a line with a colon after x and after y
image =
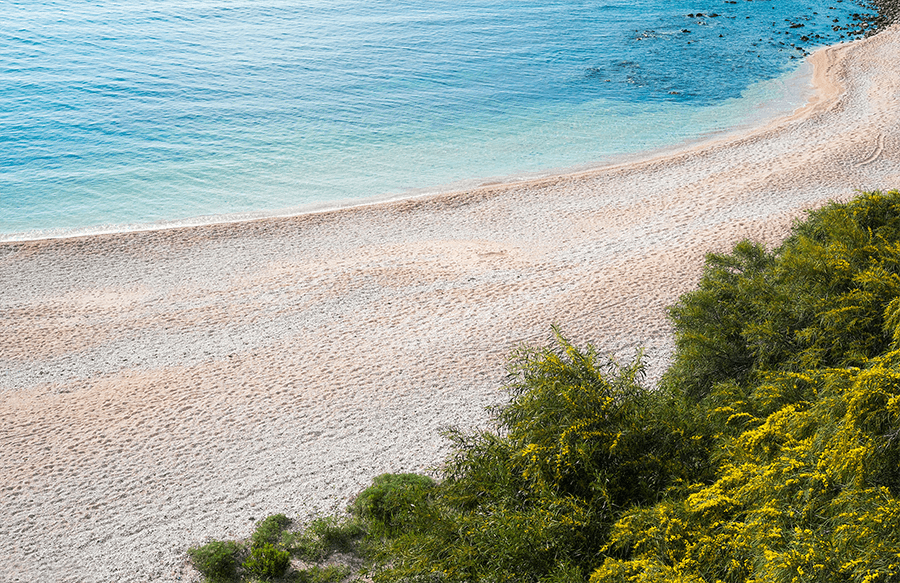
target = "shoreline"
x: 160, y: 388
x: 801, y: 80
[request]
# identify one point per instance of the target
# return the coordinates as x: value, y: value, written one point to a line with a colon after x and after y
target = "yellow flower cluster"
x: 815, y: 497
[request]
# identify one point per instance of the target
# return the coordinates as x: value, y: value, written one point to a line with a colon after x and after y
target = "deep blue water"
x: 123, y: 113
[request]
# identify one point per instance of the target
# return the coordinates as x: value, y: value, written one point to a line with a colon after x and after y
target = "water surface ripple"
x: 130, y: 113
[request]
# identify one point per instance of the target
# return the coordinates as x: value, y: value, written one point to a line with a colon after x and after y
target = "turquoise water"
x: 116, y: 115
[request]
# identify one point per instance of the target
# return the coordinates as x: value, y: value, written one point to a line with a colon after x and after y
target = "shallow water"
x: 115, y: 115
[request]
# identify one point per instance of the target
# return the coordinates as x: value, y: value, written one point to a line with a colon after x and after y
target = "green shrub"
x: 770, y: 452
x: 579, y: 441
x: 392, y: 500
x: 324, y: 536
x: 267, y: 562
x: 826, y: 297
x: 808, y: 493
x: 793, y: 359
x: 269, y: 530
x: 216, y: 560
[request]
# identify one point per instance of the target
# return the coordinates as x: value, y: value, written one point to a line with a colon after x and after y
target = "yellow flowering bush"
x: 803, y: 398
x: 809, y: 495
x: 579, y: 441
x: 821, y: 300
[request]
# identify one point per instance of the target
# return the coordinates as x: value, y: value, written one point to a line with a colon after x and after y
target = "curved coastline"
x: 800, y: 88
x: 163, y: 387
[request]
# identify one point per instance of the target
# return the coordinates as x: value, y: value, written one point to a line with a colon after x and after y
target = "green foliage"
x: 392, y: 501
x: 216, y: 560
x: 826, y: 298
x: 329, y: 574
x: 804, y: 402
x: 271, y: 547
x: 770, y: 452
x: 580, y: 427
x: 579, y: 441
x: 269, y: 530
x: 323, y: 537
x: 710, y: 322
x: 809, y: 494
x: 267, y: 561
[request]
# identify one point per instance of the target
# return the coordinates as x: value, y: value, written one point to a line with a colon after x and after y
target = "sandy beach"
x: 161, y: 388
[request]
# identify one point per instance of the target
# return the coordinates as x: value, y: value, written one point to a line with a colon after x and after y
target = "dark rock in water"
x: 685, y: 30
x: 798, y: 25
x: 888, y: 12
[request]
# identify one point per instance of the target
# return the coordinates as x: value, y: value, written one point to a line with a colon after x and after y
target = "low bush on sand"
x: 217, y: 560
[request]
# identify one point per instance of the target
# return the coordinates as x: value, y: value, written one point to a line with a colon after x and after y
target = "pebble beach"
x: 161, y: 388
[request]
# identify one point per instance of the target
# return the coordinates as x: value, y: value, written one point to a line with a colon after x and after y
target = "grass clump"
x: 324, y: 537
x: 327, y: 550
x: 267, y: 561
x: 329, y: 574
x: 268, y: 530
x: 393, y: 501
x: 216, y: 560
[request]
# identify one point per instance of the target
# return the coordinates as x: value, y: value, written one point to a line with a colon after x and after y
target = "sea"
x: 135, y: 114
